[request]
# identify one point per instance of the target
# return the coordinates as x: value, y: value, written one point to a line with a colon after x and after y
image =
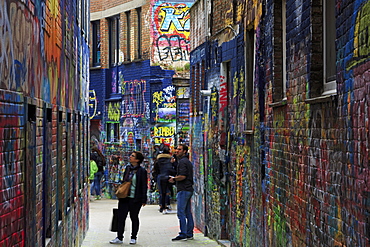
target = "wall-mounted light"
x: 206, y: 92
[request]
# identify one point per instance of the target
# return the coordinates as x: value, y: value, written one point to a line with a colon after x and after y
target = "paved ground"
x: 156, y: 229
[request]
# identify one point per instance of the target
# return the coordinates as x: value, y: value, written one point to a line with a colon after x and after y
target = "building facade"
x: 279, y: 121
x: 44, y: 122
x: 139, y: 71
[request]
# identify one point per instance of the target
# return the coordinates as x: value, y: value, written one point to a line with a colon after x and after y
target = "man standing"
x: 184, y: 184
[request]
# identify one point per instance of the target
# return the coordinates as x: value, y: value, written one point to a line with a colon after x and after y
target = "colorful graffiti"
x: 133, y: 102
x: 33, y: 95
x: 92, y: 103
x: 361, y: 53
x: 170, y: 32
x: 164, y: 134
x: 165, y: 105
x: 114, y: 111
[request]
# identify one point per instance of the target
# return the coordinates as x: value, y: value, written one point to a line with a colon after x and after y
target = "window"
x: 283, y: 48
x: 112, y: 132
x: 323, y: 68
x: 114, y: 41
x: 329, y: 55
x: 95, y: 43
x: 279, y: 53
x: 138, y: 38
x: 249, y: 76
x: 128, y: 36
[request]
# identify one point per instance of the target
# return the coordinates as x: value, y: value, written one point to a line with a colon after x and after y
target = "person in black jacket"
x: 136, y: 199
x: 97, y: 156
x: 163, y: 168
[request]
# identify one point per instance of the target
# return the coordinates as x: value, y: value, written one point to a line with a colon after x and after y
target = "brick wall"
x: 40, y: 76
x: 130, y: 8
x: 300, y: 176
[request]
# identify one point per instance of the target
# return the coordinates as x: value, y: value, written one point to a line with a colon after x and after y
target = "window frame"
x: 96, y: 42
x: 329, y: 49
x: 138, y: 38
x: 250, y: 43
x: 128, y: 36
x: 114, y: 46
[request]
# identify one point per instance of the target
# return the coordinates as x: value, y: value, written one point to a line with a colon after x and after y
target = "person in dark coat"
x: 164, y: 169
x: 136, y: 199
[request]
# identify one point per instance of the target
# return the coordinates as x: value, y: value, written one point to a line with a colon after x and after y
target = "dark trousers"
x: 126, y: 205
x: 163, y: 190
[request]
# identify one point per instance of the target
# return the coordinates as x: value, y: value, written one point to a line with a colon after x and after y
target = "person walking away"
x: 93, y: 170
x: 135, y: 200
x: 99, y: 158
x: 164, y: 168
x: 184, y: 184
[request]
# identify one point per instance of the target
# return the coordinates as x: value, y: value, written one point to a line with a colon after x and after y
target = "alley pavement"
x: 156, y: 229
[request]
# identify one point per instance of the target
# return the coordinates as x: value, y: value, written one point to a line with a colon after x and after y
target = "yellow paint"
x: 164, y: 131
x: 236, y: 85
x: 361, y: 43
x: 54, y: 8
x: 158, y: 98
x: 114, y: 111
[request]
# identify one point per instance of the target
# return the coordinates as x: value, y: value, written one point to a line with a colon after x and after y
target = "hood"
x: 166, y: 156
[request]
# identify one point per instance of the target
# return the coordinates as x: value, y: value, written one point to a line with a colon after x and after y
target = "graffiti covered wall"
x: 43, y: 92
x: 321, y: 148
x: 170, y: 33
x: 299, y: 176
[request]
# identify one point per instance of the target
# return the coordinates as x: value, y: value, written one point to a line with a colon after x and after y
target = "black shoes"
x: 178, y: 238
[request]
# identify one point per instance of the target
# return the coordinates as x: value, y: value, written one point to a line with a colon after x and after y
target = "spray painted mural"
x: 170, y: 32
x: 164, y: 102
x: 43, y: 92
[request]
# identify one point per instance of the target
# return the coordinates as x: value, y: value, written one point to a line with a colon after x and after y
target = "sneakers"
x: 133, y: 241
x: 165, y: 211
x: 190, y: 238
x: 97, y: 197
x: 178, y: 238
x: 116, y: 241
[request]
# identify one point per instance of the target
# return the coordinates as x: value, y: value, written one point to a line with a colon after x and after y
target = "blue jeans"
x: 96, y: 184
x: 184, y: 214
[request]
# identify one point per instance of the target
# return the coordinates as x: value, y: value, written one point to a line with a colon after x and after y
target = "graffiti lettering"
x: 92, y: 104
x: 175, y: 17
x: 164, y: 131
x: 162, y: 140
x: 173, y: 47
x: 169, y: 105
x: 157, y: 98
x: 170, y: 19
x: 114, y: 111
x: 133, y: 102
x: 223, y: 95
x: 183, y: 92
x: 171, y: 32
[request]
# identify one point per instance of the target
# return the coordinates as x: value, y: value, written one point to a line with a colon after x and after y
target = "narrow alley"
x: 156, y: 229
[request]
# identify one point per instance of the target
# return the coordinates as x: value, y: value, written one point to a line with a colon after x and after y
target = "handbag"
x: 123, y: 189
x: 114, y: 226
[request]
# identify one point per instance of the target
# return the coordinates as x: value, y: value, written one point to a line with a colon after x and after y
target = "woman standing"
x: 135, y: 200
